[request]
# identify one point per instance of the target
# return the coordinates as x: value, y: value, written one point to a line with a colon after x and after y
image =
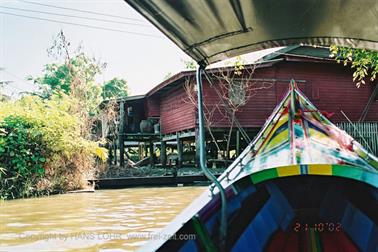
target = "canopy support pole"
x: 202, y: 148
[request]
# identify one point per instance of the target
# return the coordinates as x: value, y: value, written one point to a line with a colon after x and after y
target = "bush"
x: 22, y: 157
x: 42, y: 150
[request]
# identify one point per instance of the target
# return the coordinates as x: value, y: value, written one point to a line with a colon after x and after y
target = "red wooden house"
x: 327, y: 84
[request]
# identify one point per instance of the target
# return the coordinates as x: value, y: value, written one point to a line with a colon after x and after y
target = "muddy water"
x: 107, y: 220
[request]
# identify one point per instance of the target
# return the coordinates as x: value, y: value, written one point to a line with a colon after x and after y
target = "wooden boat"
x: 302, y: 185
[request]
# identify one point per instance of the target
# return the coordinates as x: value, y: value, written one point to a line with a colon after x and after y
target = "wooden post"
x: 140, y: 151
x: 237, y: 143
x: 163, y: 153
x: 179, y: 150
x: 151, y: 153
x: 110, y: 157
x: 145, y: 153
x: 121, y: 132
x: 115, y: 151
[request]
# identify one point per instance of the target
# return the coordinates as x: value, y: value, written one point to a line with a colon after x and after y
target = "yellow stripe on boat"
x: 289, y: 170
x: 320, y: 169
x: 282, y: 120
x: 317, y: 134
x: 280, y: 138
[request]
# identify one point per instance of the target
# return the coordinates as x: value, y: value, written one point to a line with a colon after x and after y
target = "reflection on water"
x: 107, y: 220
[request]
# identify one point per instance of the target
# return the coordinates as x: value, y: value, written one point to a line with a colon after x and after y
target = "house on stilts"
x: 161, y: 127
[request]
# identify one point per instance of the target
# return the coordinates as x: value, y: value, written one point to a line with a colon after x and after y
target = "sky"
x: 142, y: 59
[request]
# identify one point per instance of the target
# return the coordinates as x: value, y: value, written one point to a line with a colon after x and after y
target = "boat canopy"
x: 214, y: 30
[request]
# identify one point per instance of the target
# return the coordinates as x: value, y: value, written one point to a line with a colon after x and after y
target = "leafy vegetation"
x: 46, y: 145
x: 42, y: 149
x: 114, y: 88
x: 75, y: 74
x: 364, y: 62
x: 22, y: 159
x: 60, y: 77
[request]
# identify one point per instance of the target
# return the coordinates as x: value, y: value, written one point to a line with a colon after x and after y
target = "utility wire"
x: 74, y: 16
x: 14, y: 87
x: 19, y: 78
x: 83, y: 11
x: 83, y: 25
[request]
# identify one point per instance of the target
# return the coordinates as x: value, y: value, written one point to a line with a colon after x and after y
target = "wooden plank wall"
x: 329, y: 86
x: 152, y: 106
x: 176, y: 112
x: 257, y: 109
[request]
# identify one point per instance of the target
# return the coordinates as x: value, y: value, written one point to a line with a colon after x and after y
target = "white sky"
x: 141, y: 60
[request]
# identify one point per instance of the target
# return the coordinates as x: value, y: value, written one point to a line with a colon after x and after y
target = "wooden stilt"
x: 151, y: 147
x: 115, y: 152
x: 140, y: 151
x: 145, y: 150
x: 163, y: 153
x: 121, y: 133
x: 110, y: 157
x: 179, y: 151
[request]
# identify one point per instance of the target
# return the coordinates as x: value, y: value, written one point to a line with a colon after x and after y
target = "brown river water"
x: 107, y: 220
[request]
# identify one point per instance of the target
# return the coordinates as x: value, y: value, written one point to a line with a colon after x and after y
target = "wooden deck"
x: 117, y: 183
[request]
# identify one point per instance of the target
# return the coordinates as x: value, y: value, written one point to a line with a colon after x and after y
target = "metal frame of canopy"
x: 202, y: 147
x: 239, y: 27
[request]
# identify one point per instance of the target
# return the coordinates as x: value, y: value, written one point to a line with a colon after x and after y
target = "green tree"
x: 52, y: 132
x: 61, y: 77
x: 115, y: 88
x: 364, y: 62
x: 74, y: 74
x: 189, y: 64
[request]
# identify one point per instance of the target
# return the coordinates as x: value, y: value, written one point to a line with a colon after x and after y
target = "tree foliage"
x: 22, y: 157
x: 52, y: 132
x: 43, y: 137
x: 115, y: 88
x: 364, y: 62
x: 190, y: 64
x: 61, y: 76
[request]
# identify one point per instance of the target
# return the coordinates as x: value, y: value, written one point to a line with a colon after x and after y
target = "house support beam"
x: 152, y: 153
x: 110, y: 157
x: 179, y: 150
x: 121, y: 133
x: 163, y: 153
x: 115, y: 152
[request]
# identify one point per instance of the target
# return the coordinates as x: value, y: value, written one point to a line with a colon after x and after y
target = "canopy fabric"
x: 213, y: 30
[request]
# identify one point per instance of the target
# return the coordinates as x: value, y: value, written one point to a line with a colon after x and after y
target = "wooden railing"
x: 366, y: 133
